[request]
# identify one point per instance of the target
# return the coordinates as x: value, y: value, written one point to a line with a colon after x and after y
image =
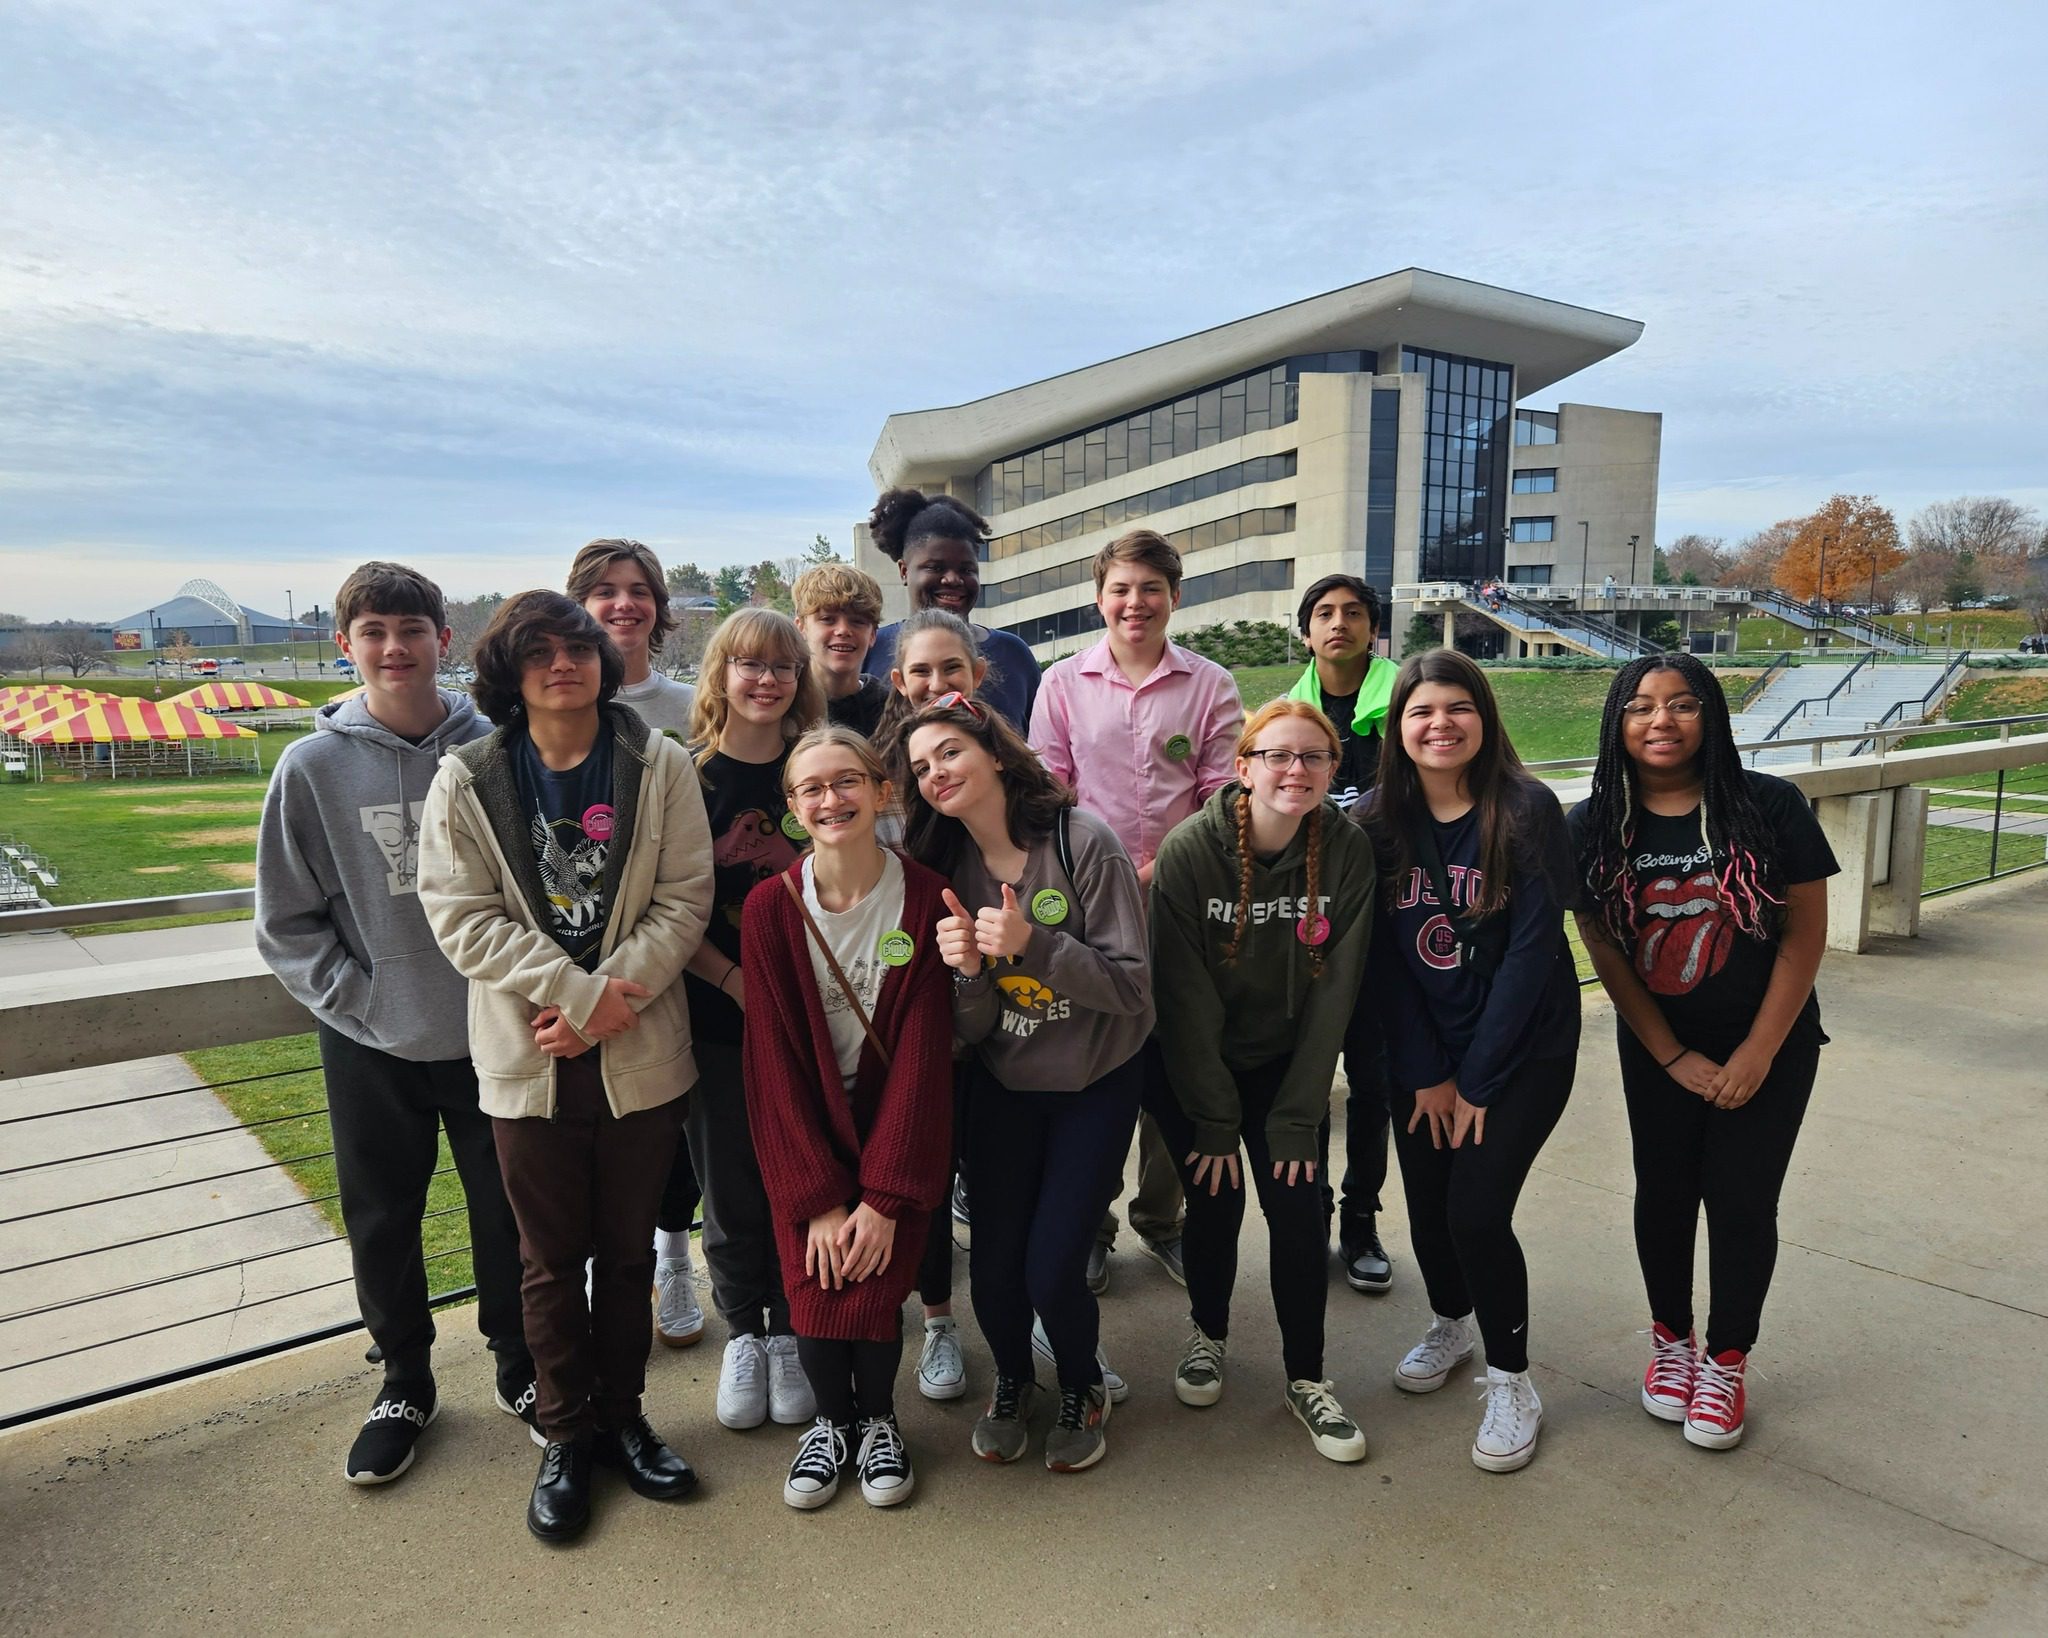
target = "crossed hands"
x: 842, y: 1247
x: 1725, y: 1086
x: 612, y: 1016
x: 999, y: 931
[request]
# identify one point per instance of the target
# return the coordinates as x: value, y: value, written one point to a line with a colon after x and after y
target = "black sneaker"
x: 1366, y: 1263
x: 814, y: 1475
x: 518, y: 1393
x: 384, y: 1448
x: 884, y: 1460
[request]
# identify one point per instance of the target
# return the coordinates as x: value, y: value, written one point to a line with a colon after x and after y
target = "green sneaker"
x: 1001, y: 1434
x: 1199, y: 1378
x: 1315, y: 1406
x: 1076, y: 1440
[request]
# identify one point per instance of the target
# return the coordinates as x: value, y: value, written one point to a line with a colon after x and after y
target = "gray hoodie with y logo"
x: 338, y: 915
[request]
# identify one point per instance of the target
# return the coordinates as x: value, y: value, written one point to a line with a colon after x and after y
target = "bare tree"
x: 77, y: 649
x: 179, y: 651
x: 467, y: 618
x: 1697, y: 560
x: 1923, y: 577
x: 1998, y: 534
x: 36, y: 649
x: 2033, y: 590
x: 1756, y: 559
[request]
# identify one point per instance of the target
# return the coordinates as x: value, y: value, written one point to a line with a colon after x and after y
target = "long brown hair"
x: 1495, y: 778
x: 1032, y: 796
x: 1262, y: 719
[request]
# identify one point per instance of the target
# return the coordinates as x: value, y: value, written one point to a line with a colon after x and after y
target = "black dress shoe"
x: 1366, y: 1263
x: 651, y: 1468
x: 561, y: 1493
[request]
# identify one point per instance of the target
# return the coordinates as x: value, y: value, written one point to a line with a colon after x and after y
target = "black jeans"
x: 1045, y: 1167
x: 1689, y: 1153
x: 1297, y: 1232
x: 739, y: 1236
x: 1366, y: 1119
x: 1461, y: 1204
x: 852, y: 1381
x: 681, y: 1196
x: 386, y: 1115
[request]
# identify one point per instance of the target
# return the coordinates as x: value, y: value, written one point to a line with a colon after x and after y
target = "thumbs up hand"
x: 955, y: 934
x: 1002, y: 932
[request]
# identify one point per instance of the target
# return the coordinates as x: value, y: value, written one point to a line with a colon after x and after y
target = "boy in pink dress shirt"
x: 1145, y: 731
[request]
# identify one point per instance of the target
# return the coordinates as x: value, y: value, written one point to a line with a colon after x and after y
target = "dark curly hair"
x: 1033, y: 796
x: 903, y: 517
x: 1741, y: 850
x: 524, y: 629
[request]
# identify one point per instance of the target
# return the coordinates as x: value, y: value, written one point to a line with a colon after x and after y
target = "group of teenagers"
x: 879, y: 939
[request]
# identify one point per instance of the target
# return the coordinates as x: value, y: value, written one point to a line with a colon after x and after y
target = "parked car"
x: 2034, y: 643
x: 234, y: 660
x: 206, y: 668
x: 345, y: 666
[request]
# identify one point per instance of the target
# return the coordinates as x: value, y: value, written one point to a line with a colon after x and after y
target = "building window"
x: 1383, y: 461
x: 1528, y: 531
x: 1260, y: 520
x: 1536, y: 480
x: 1465, y: 463
x: 1268, y: 575
x: 1529, y: 574
x: 1260, y: 469
x: 1257, y: 402
x: 1535, y: 427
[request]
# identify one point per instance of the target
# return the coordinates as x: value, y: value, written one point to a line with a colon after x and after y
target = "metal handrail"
x: 1757, y: 687
x: 1799, y: 706
x: 1885, y: 737
x: 1940, y: 686
x: 94, y: 915
x: 1827, y: 614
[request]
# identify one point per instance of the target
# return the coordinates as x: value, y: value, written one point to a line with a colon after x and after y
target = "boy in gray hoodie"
x: 338, y: 920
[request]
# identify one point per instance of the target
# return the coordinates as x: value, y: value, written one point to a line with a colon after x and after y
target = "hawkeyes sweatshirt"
x: 1268, y: 1004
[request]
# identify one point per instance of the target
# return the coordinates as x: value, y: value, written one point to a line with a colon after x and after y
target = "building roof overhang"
x: 1545, y: 340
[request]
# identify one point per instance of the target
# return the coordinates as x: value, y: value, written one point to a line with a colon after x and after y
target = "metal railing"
x: 1813, y: 616
x: 1758, y: 685
x: 1799, y: 707
x: 1921, y: 706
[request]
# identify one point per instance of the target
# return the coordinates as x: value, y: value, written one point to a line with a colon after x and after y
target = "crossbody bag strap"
x: 1063, y: 845
x: 838, y: 973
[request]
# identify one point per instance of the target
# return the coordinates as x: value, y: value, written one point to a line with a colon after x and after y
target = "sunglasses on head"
x: 954, y: 700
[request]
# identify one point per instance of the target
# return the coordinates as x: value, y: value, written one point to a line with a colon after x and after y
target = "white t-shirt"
x: 663, y: 703
x: 856, y: 937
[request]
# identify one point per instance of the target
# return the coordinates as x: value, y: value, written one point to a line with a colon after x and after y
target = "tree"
x: 1965, y: 583
x: 1923, y: 577
x: 1840, y: 551
x: 14, y: 622
x: 1697, y: 560
x: 2033, y: 590
x: 467, y: 618
x: 77, y: 648
x: 820, y: 552
x: 36, y: 649
x: 729, y: 585
x: 1756, y: 560
x: 687, y: 580
x: 179, y: 650
x: 1996, y: 533
x: 767, y: 586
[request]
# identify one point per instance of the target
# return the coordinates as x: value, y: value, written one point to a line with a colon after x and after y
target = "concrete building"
x: 211, y: 618
x: 1373, y: 430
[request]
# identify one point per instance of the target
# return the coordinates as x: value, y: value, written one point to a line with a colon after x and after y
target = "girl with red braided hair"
x: 1705, y: 913
x: 1262, y: 910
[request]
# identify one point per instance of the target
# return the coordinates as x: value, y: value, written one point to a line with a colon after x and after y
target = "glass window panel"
x: 1205, y: 485
x: 1096, y: 466
x: 1184, y: 430
x: 1097, y: 518
x: 1162, y: 435
x: 1181, y: 493
x: 1233, y: 419
x: 1229, y: 529
x: 1256, y: 389
x: 1256, y: 420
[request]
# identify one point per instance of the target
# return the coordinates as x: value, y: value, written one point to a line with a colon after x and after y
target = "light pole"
x: 1632, y: 539
x: 291, y: 626
x: 1585, y: 552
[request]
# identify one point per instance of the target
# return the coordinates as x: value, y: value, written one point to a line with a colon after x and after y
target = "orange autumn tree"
x: 1841, y: 551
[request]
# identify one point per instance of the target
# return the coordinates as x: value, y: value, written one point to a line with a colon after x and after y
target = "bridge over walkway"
x: 1891, y: 1481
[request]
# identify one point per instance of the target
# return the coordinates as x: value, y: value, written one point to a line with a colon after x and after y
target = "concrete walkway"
x: 1892, y: 1481
x: 27, y: 954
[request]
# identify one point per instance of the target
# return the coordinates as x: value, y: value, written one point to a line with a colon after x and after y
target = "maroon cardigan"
x: 887, y: 1142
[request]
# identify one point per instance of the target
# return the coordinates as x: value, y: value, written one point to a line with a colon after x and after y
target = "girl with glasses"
x: 848, y: 1065
x: 757, y: 692
x: 1262, y: 911
x: 1480, y: 1002
x: 1705, y: 913
x: 1046, y: 933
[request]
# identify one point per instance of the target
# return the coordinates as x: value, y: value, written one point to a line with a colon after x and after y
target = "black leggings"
x: 935, y: 1273
x: 852, y: 1381
x: 1687, y: 1153
x: 679, y: 1199
x: 1461, y: 1204
x: 1045, y: 1166
x: 1298, y: 1246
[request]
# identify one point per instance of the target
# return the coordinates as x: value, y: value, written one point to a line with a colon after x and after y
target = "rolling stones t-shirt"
x: 569, y: 820
x: 1708, y: 976
x: 753, y: 836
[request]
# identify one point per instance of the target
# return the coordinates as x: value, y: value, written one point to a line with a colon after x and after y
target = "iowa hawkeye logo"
x: 1027, y: 1004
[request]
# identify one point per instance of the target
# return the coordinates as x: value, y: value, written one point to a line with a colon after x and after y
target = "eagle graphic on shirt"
x: 572, y: 876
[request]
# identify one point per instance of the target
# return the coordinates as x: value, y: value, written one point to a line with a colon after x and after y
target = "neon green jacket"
x: 1375, y: 693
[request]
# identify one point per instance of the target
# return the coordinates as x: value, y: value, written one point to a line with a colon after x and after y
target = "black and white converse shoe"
x: 384, y: 1448
x: 518, y: 1392
x: 885, y: 1476
x: 814, y: 1475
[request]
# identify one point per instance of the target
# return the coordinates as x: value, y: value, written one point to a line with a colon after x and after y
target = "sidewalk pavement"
x: 27, y: 954
x: 1892, y: 1480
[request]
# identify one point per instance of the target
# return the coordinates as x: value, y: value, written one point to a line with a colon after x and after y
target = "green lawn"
x: 292, y: 1086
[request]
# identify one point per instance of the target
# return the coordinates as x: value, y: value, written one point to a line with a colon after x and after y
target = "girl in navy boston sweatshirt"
x: 1481, y: 1006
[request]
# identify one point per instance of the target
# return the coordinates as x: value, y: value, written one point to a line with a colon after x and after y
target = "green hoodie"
x: 1375, y: 693
x: 1267, y: 1004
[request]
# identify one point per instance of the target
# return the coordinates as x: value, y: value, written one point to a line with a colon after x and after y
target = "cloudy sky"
x: 283, y: 286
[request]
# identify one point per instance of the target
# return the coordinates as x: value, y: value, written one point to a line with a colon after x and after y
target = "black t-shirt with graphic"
x: 1708, y: 976
x: 569, y: 821
x: 1358, y: 755
x: 753, y: 836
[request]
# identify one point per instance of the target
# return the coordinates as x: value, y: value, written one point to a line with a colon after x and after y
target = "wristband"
x: 1680, y: 1053
x: 727, y: 979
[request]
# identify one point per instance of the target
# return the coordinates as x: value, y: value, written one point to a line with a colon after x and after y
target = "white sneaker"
x: 1447, y: 1345
x: 790, y: 1400
x: 678, y: 1316
x: 1514, y: 1416
x: 884, y: 1461
x: 743, y: 1384
x: 1041, y: 1345
x: 941, y: 1372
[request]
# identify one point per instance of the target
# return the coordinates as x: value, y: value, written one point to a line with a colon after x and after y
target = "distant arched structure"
x: 209, y: 593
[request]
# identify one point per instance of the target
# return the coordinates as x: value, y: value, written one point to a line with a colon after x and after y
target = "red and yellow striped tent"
x: 108, y: 720
x: 30, y: 706
x: 236, y: 696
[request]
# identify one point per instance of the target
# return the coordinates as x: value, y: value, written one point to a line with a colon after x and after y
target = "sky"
x: 283, y: 286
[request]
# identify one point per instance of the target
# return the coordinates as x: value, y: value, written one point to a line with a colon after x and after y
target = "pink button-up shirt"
x: 1141, y: 757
